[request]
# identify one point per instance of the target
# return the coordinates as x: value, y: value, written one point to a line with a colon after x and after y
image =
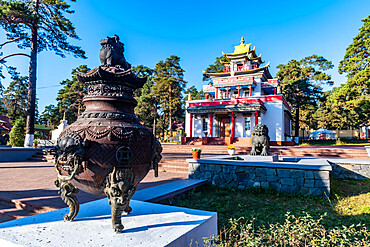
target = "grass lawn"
x: 349, y: 205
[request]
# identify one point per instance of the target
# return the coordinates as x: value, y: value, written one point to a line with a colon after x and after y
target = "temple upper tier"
x: 239, y: 97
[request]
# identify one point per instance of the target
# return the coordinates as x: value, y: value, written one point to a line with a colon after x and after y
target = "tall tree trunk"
x: 170, y: 108
x: 296, y: 129
x: 31, y: 97
x: 154, y: 123
x: 155, y: 120
x: 163, y: 124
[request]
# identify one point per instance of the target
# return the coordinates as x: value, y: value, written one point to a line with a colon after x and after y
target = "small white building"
x: 238, y: 98
x: 56, y: 133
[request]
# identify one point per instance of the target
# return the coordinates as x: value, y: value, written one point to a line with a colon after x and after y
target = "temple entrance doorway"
x: 225, y: 127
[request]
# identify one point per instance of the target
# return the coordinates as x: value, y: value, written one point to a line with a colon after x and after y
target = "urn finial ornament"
x: 111, y: 53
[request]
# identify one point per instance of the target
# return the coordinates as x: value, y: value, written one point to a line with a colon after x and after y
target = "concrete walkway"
x: 27, y: 188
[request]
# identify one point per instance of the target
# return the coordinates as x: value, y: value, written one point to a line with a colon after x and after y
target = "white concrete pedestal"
x: 149, y: 224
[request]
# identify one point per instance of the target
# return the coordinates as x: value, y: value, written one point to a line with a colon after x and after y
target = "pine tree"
x: 16, y: 135
x: 70, y: 96
x: 146, y: 109
x: 217, y: 67
x: 2, y: 105
x: 194, y: 94
x: 169, y: 85
x: 38, y: 25
x: 50, y: 115
x: 356, y: 64
x: 15, y: 98
x: 302, y: 83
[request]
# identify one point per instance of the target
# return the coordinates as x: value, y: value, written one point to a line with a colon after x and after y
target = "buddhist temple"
x: 241, y: 96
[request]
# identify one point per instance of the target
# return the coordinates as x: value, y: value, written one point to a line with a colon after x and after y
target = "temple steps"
x: 178, y: 166
x: 42, y: 157
x: 331, y: 152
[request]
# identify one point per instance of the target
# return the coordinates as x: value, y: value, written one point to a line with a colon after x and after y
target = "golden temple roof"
x: 242, y: 48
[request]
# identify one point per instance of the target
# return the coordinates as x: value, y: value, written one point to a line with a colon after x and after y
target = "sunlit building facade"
x: 238, y: 98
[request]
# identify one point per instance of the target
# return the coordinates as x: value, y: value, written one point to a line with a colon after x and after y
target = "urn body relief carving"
x: 107, y: 151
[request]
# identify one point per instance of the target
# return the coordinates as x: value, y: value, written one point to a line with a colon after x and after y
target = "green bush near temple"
x: 259, y: 217
x: 339, y: 141
x: 16, y: 135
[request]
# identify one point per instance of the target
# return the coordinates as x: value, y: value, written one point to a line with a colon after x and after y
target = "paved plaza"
x: 29, y: 186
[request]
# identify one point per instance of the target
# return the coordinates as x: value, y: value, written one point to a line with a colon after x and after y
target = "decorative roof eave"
x: 114, y: 74
x: 250, y: 55
x: 238, y: 83
x: 240, y: 72
x: 227, y: 108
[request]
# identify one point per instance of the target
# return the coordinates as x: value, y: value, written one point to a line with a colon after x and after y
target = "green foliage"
x: 147, y: 102
x: 302, y: 83
x: 356, y: 60
x: 2, y: 105
x: 194, y: 94
x: 38, y: 25
x: 70, y: 96
x: 50, y: 115
x: 294, y: 231
x: 15, y: 98
x: 293, y: 218
x: 349, y: 105
x: 44, y: 17
x: 339, y: 110
x: 168, y: 87
x: 16, y: 135
x: 217, y: 67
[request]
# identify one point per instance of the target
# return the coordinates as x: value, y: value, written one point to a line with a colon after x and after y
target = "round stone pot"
x: 231, y: 152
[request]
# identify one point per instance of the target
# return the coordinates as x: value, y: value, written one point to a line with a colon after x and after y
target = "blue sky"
x: 199, y: 31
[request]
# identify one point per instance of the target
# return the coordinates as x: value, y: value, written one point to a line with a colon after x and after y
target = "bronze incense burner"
x: 106, y: 151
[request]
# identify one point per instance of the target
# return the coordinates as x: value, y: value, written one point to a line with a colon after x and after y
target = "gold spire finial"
x: 242, y: 40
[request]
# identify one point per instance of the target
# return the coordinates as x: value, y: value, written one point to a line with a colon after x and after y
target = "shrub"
x: 16, y: 135
x: 196, y: 150
x: 294, y: 231
x: 341, y: 141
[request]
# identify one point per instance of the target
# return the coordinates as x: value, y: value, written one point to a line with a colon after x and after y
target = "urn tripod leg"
x: 128, y: 209
x: 119, y: 187
x: 68, y: 193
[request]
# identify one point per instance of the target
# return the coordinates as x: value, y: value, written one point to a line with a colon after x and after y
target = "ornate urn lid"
x: 114, y: 69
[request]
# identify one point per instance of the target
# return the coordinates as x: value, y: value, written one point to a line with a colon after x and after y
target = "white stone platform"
x: 149, y: 224
x: 272, y: 158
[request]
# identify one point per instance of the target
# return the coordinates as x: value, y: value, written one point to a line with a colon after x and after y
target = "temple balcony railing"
x: 227, y: 101
x: 253, y: 100
x: 241, y: 68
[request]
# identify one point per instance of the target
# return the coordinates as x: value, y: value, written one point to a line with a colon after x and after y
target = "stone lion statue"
x: 111, y: 53
x: 260, y: 140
